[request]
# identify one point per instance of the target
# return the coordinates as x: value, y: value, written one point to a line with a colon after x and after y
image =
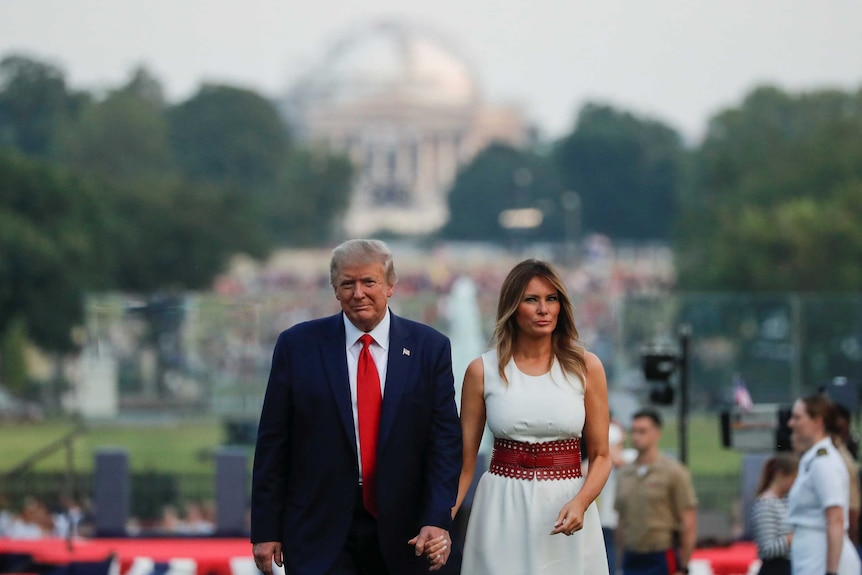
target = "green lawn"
x: 179, y: 447
x: 183, y: 446
x: 182, y: 449
x: 706, y: 456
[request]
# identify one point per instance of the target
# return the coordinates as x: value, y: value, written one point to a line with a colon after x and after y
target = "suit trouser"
x: 610, y: 537
x: 361, y: 554
x: 657, y: 563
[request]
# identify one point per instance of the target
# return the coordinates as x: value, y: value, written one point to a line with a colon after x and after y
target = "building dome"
x: 392, y: 61
x: 401, y: 103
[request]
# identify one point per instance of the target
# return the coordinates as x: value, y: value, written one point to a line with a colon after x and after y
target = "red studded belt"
x: 550, y: 460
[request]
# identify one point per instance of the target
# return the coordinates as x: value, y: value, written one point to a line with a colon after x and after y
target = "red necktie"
x: 369, y: 400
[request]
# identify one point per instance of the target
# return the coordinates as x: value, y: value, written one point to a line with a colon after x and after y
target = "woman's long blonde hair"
x: 566, y: 347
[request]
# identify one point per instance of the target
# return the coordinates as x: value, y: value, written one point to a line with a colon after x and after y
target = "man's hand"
x: 265, y: 553
x: 433, y: 543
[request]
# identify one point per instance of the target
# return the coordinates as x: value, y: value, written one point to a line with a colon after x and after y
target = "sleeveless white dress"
x: 511, y: 519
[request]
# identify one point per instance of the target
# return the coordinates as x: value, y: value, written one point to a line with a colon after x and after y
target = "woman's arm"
x: 834, y: 537
x: 768, y: 521
x: 596, y: 435
x: 596, y: 431
x: 472, y: 425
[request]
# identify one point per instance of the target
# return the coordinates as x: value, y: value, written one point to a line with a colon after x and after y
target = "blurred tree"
x: 777, y: 202
x: 13, y: 364
x: 123, y: 212
x: 235, y: 137
x: 177, y: 234
x: 145, y: 86
x: 166, y: 231
x: 626, y: 170
x: 53, y: 246
x: 313, y: 194
x: 123, y: 137
x: 34, y: 103
x: 229, y: 135
x: 502, y: 178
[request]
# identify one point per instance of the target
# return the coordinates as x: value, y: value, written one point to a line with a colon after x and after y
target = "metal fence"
x: 782, y: 346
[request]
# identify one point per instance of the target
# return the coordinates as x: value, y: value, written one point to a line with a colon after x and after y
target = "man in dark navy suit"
x: 348, y: 480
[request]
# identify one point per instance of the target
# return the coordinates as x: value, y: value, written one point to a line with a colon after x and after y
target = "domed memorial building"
x: 407, y: 109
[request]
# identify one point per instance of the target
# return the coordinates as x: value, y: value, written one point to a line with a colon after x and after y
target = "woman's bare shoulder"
x: 592, y: 361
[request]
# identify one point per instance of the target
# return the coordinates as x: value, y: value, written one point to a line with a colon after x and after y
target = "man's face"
x: 364, y: 294
x: 645, y: 434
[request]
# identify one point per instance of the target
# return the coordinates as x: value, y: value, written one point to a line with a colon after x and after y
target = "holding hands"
x: 434, y: 544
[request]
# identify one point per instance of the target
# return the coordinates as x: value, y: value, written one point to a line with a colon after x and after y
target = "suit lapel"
x: 334, y: 359
x: 397, y: 375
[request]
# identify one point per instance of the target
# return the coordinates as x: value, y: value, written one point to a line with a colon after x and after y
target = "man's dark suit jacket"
x: 306, y: 467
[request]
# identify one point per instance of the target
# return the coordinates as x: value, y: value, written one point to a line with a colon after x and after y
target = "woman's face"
x: 538, y: 310
x: 805, y: 430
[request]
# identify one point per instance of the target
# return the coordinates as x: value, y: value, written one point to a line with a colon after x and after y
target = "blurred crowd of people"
x: 194, y: 518
x: 294, y: 286
x: 35, y: 519
x: 225, y: 336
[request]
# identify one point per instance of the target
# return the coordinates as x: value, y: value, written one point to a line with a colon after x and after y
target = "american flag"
x: 740, y: 394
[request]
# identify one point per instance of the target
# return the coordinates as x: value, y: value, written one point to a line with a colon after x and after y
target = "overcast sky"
x: 677, y: 60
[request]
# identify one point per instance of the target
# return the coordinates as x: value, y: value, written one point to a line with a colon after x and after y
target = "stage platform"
x: 218, y: 556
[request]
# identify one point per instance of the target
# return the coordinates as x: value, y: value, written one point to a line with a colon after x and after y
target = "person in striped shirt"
x: 772, y: 534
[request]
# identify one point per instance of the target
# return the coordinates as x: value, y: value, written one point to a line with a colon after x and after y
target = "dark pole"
x: 684, y: 334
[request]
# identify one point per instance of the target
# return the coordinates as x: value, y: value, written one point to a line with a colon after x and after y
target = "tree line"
x: 122, y: 190
x: 769, y: 201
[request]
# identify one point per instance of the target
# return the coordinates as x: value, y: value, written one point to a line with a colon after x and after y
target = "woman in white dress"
x: 818, y: 502
x: 541, y: 392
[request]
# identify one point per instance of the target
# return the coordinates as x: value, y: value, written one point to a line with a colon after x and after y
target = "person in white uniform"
x: 819, y: 500
x: 534, y: 511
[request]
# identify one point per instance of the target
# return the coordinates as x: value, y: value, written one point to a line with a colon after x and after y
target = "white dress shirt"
x: 379, y: 350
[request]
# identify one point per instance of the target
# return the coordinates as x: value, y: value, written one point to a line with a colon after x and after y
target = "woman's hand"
x: 570, y: 518
x: 437, y: 551
x: 433, y: 543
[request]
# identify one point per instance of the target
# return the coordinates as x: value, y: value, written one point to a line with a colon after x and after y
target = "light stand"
x: 659, y: 364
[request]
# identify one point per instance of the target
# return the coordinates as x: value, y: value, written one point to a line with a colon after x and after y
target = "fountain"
x: 465, y: 329
x: 468, y: 342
